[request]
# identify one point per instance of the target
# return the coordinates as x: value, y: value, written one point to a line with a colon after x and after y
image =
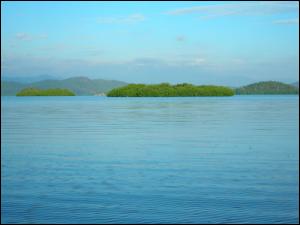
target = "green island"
x: 167, y: 90
x: 45, y: 92
x: 83, y: 86
x: 267, y: 87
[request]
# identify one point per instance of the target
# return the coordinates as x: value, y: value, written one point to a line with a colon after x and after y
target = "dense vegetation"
x: 79, y: 85
x: 267, y: 87
x: 167, y: 90
x: 86, y: 86
x: 48, y: 92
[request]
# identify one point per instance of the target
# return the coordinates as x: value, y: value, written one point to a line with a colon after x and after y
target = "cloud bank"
x: 287, y: 21
x: 239, y: 8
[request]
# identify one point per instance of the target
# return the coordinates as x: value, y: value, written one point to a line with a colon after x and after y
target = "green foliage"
x: 48, y: 92
x: 267, y: 87
x: 167, y: 90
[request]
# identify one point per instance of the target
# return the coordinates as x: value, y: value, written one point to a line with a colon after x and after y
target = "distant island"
x: 79, y: 85
x: 101, y: 87
x: 47, y: 92
x: 167, y: 90
x: 267, y: 88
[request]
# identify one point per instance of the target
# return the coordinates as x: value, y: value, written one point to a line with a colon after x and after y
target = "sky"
x: 228, y: 43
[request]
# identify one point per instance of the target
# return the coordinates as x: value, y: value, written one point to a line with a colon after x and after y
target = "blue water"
x: 150, y: 160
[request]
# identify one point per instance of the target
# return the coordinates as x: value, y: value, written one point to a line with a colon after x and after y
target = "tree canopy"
x: 167, y: 90
x: 47, y: 92
x: 267, y: 87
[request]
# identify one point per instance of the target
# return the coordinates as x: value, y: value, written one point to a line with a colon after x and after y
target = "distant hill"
x: 11, y: 88
x: 267, y: 87
x: 28, y: 79
x: 295, y: 84
x: 79, y: 85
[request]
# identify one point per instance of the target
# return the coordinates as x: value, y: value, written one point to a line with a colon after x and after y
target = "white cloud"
x: 23, y: 36
x: 153, y: 62
x: 28, y: 37
x: 197, y: 62
x: 238, y: 61
x: 240, y: 8
x: 186, y: 62
x: 130, y: 19
x: 287, y: 21
x: 42, y: 36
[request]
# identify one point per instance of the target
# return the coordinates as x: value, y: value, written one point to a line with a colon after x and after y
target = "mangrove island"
x: 45, y: 92
x: 167, y: 90
x: 268, y: 88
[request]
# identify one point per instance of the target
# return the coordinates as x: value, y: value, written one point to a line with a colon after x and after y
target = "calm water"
x: 150, y: 160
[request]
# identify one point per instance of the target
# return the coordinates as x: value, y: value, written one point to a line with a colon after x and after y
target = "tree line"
x: 168, y: 90
x: 45, y: 92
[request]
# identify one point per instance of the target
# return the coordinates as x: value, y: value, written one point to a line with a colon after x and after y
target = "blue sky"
x: 230, y: 43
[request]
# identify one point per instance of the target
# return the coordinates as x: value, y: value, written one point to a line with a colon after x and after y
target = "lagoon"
x: 91, y: 159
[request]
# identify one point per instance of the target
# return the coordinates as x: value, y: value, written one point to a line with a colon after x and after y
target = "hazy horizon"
x: 230, y: 43
x: 33, y: 79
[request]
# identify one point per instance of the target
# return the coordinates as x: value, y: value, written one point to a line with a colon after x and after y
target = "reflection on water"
x: 150, y: 160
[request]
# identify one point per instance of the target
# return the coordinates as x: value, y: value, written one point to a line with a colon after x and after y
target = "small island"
x: 168, y: 90
x: 267, y: 88
x: 45, y: 92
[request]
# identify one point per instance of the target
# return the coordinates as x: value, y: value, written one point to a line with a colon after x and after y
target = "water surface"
x: 150, y: 160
